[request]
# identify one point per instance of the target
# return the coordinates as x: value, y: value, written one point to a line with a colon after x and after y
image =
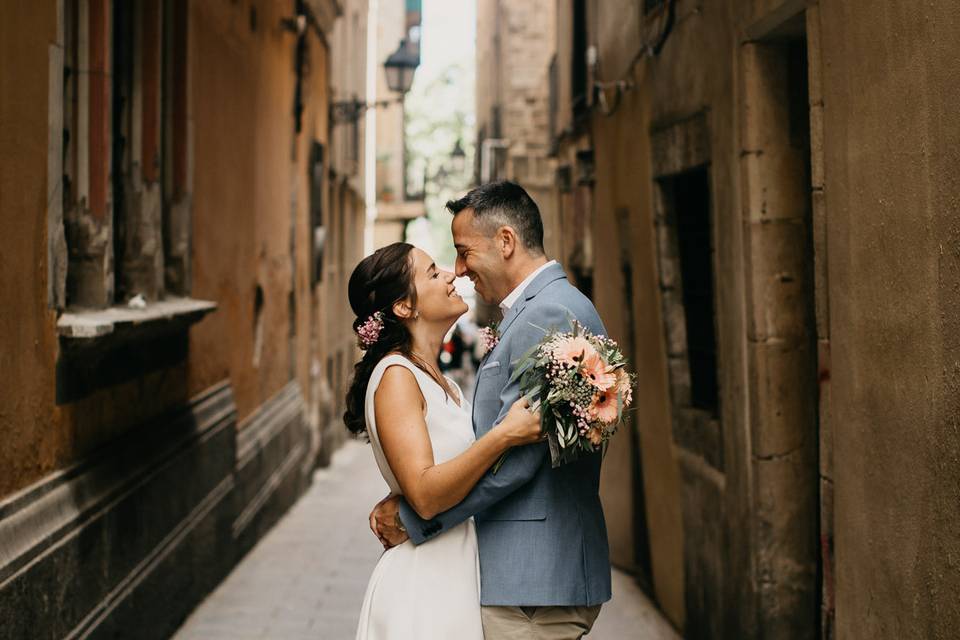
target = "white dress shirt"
x: 514, y: 295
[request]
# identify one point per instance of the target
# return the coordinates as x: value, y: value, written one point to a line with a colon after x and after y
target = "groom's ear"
x: 506, y: 241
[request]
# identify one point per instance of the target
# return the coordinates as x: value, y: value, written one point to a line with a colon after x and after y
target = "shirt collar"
x: 514, y: 295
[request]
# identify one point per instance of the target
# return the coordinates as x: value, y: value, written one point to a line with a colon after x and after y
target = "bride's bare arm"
x: 428, y: 487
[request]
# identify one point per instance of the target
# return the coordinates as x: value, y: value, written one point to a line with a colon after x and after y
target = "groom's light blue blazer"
x: 541, y: 531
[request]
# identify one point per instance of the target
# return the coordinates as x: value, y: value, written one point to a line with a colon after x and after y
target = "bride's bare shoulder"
x: 399, y: 385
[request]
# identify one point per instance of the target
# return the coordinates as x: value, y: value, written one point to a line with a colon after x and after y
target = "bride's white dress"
x: 430, y: 591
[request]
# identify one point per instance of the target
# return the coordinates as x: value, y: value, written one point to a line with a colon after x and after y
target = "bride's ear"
x: 402, y: 310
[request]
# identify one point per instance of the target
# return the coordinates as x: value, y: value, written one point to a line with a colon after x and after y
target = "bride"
x: 420, y: 429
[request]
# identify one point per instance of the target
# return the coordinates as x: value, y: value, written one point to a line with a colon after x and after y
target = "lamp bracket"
x: 345, y: 111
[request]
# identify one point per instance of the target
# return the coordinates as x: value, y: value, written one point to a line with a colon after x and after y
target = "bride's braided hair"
x: 380, y: 280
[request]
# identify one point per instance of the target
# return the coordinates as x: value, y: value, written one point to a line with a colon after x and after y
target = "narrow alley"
x: 305, y: 579
x: 757, y: 199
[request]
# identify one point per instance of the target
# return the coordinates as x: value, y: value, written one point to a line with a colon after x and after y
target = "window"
x: 688, y: 194
x: 126, y: 195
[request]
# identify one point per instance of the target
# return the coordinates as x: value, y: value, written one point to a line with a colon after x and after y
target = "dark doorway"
x: 689, y: 196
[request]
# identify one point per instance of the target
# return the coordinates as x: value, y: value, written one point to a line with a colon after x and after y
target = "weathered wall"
x: 689, y: 502
x: 42, y: 436
x: 249, y: 191
x: 891, y: 151
x: 195, y: 488
x: 32, y: 445
x: 242, y: 95
x: 830, y: 148
x: 622, y: 170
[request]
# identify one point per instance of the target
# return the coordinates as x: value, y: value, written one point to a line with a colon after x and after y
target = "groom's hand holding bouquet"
x: 580, y: 383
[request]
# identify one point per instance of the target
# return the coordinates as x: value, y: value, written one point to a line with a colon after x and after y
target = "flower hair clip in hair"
x: 369, y: 331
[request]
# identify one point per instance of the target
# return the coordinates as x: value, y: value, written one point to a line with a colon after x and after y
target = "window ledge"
x: 83, y: 325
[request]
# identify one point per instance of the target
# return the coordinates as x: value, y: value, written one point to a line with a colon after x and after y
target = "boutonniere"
x: 489, y: 338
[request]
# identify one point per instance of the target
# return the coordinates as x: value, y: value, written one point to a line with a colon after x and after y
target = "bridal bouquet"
x: 580, y: 384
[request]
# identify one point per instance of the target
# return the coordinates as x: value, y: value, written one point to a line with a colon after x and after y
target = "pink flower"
x: 572, y: 350
x: 604, y: 407
x: 597, y: 372
x: 369, y: 332
x: 490, y: 338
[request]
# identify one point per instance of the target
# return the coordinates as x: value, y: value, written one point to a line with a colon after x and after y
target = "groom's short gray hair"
x: 504, y: 203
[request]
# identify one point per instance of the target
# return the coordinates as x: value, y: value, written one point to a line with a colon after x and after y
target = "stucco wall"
x: 31, y: 442
x: 891, y: 150
x: 242, y: 93
x: 39, y: 435
x: 249, y: 188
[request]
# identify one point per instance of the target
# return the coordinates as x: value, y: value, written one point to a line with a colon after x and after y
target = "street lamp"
x: 400, y: 67
x: 458, y: 158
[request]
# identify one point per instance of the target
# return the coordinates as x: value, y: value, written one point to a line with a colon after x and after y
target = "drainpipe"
x: 370, y: 129
x: 486, y: 156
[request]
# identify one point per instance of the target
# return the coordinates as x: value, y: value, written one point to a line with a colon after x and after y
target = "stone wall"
x: 108, y: 411
x: 824, y: 135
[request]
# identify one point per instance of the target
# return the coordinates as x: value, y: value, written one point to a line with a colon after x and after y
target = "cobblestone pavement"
x: 306, y: 578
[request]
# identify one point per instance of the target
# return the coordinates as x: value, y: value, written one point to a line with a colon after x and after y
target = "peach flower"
x: 624, y: 386
x: 604, y: 407
x: 571, y: 350
x: 597, y: 372
x: 595, y: 435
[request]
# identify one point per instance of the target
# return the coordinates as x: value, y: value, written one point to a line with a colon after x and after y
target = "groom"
x: 544, y: 561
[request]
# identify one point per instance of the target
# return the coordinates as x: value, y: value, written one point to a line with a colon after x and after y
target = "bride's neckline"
x: 458, y: 400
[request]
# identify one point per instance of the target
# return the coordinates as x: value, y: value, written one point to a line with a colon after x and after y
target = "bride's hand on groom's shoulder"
x: 385, y: 522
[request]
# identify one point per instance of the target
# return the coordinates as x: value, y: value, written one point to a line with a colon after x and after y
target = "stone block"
x: 675, y: 324
x: 699, y: 433
x: 771, y: 188
x: 711, y: 438
x: 786, y: 545
x: 685, y: 430
x: 783, y: 401
x: 667, y: 255
x: 679, y: 380
x: 781, y: 294
x: 766, y: 102
x: 681, y: 145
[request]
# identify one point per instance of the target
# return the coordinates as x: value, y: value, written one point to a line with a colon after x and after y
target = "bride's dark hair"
x: 380, y: 280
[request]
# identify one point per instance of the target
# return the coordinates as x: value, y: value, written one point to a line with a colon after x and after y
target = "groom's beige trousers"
x: 537, y: 623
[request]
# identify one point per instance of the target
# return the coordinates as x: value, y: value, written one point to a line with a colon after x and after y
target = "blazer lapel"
x: 550, y: 274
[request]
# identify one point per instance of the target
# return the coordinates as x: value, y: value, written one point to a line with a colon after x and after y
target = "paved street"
x: 307, y: 577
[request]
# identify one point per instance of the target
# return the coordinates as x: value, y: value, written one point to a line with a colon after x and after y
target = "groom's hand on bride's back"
x: 385, y: 522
